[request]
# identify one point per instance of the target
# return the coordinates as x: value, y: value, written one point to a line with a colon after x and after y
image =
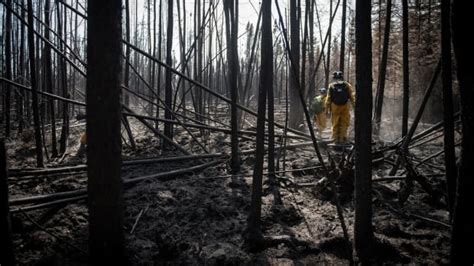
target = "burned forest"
x: 235, y: 132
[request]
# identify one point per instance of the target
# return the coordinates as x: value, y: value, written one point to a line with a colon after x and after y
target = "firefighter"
x: 319, y: 110
x: 338, y: 102
x: 82, y: 146
x: 83, y: 140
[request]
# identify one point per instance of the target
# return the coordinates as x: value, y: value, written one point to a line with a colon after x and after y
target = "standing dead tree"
x: 295, y: 104
x: 231, y: 19
x: 48, y: 78
x: 126, y: 75
x: 449, y: 151
x: 311, y: 92
x: 105, y: 188
x: 6, y: 256
x: 382, y: 69
x: 363, y: 232
x: 62, y: 74
x: 406, y: 69
x: 8, y: 67
x: 168, y: 89
x: 462, y: 220
x: 343, y: 36
x: 328, y: 60
x: 22, y: 73
x: 253, y: 233
x: 34, y: 86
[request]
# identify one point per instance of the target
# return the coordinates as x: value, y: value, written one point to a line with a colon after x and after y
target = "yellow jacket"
x: 350, y: 91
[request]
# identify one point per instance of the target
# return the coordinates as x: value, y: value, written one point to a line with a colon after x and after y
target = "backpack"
x: 317, y: 106
x: 339, y: 94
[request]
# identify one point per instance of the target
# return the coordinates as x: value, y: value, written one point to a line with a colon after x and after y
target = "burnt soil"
x: 200, y: 218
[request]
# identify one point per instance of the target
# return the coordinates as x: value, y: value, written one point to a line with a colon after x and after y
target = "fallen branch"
x: 389, y: 178
x: 48, y: 204
x: 429, y: 220
x: 405, y: 214
x: 206, y: 127
x: 138, y: 218
x: 127, y: 183
x: 83, y: 167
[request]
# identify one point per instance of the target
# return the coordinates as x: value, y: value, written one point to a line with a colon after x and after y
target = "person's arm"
x: 350, y: 91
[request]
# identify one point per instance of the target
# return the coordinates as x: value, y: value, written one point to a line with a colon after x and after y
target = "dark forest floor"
x: 199, y: 218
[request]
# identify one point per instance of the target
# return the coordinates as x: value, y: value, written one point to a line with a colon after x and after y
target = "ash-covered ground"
x: 199, y: 218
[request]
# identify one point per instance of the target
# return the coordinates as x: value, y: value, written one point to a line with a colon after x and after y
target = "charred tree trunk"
x: 8, y: 66
x: 233, y: 64
x: 406, y: 70
x: 304, y: 48
x: 328, y: 60
x: 383, y: 68
x: 160, y: 37
x: 296, y: 108
x: 254, y: 234
x: 105, y: 189
x: 150, y: 52
x: 48, y: 78
x: 168, y: 89
x: 34, y: 87
x: 6, y: 256
x: 461, y: 253
x: 185, y: 59
x: 311, y: 61
x: 198, y: 58
x: 62, y: 75
x: 126, y: 75
x: 266, y: 78
x: 22, y: 74
x: 343, y: 36
x: 449, y: 152
x: 363, y: 233
x: 153, y: 66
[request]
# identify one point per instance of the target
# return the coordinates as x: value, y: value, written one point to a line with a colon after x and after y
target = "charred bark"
x: 105, y: 188
x: 363, y: 232
x: 254, y: 237
x: 449, y: 151
x: 34, y: 87
x: 383, y: 68
x: 462, y: 219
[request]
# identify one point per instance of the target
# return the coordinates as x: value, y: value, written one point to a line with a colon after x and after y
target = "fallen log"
x: 127, y: 183
x: 48, y: 197
x: 48, y: 204
x: 210, y: 128
x: 83, y: 167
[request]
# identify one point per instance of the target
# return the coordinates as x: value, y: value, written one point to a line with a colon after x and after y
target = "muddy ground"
x: 199, y: 218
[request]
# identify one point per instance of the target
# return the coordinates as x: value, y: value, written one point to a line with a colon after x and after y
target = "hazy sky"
x: 248, y: 12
